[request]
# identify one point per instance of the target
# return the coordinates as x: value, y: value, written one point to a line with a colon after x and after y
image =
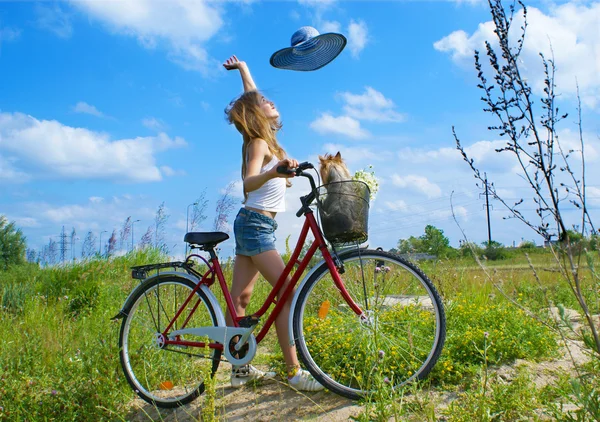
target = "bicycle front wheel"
x: 398, y: 340
x: 172, y: 375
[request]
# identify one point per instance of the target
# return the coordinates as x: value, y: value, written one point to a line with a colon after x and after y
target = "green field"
x: 59, y: 354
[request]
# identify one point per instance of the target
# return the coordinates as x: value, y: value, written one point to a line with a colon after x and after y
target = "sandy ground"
x: 270, y: 400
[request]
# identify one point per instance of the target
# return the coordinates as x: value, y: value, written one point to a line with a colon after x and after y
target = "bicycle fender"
x: 209, y: 294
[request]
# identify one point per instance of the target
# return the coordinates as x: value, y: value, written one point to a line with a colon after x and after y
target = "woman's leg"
x: 245, y: 275
x: 270, y: 265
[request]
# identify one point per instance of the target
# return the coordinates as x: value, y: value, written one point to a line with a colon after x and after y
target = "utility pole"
x: 487, y: 206
x: 132, y: 244
x: 187, y: 218
x: 63, y: 245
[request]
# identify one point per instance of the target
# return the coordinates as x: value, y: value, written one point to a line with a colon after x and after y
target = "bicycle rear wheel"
x: 166, y: 376
x: 399, y: 341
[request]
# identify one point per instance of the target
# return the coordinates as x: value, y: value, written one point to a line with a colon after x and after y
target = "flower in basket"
x: 368, y: 176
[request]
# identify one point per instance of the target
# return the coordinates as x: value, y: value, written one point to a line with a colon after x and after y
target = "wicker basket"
x: 344, y: 211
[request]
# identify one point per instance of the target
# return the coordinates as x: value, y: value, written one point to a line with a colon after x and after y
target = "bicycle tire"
x: 401, y: 341
x: 166, y: 377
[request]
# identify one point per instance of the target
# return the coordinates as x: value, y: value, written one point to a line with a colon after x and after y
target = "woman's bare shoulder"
x: 258, y: 146
x: 258, y: 143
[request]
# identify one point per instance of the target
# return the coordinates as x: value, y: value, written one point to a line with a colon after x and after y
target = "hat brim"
x: 311, y: 55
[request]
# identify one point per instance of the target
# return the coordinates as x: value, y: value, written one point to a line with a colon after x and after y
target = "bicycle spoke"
x: 397, y: 338
x: 165, y: 375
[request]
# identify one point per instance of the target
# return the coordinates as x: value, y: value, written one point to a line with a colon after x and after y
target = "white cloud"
x: 85, y: 108
x: 8, y: 172
x: 93, y: 215
x: 356, y: 157
x: 47, y: 147
x: 470, y: 2
x: 169, y: 172
x: 182, y: 27
x: 593, y: 195
x: 357, y: 37
x: 25, y: 221
x: 153, y: 123
x: 417, y: 183
x: 96, y: 199
x: 459, y: 44
x: 317, y: 3
x: 371, y: 106
x: 330, y: 26
x: 162, y: 142
x: 342, y: 125
x: 52, y: 18
x: 397, y: 205
x: 9, y: 34
x: 351, y: 154
x: 569, y: 32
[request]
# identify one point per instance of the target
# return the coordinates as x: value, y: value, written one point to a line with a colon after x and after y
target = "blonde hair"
x: 246, y: 114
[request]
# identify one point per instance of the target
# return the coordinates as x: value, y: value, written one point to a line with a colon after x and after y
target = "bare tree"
x: 124, y: 234
x: 52, y: 252
x: 225, y: 205
x: 88, y: 249
x: 160, y: 222
x: 31, y: 255
x: 530, y: 132
x: 146, y: 240
x: 73, y: 238
x: 199, y: 211
x: 111, y: 247
x: 43, y: 256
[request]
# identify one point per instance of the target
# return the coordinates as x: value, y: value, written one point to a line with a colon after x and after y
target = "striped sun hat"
x: 309, y: 50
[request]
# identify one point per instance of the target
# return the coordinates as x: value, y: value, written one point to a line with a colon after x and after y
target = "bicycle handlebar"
x: 297, y: 171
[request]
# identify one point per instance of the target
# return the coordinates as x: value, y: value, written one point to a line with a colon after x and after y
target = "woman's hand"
x: 233, y: 63
x: 288, y: 163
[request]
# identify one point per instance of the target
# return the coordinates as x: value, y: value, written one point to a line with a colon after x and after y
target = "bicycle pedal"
x: 249, y: 321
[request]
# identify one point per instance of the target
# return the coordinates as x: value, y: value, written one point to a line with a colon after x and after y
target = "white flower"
x: 369, y: 178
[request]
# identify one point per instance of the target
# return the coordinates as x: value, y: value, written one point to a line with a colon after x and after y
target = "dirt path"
x: 269, y: 401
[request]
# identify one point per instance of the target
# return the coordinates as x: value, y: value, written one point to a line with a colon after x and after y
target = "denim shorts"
x: 254, y: 233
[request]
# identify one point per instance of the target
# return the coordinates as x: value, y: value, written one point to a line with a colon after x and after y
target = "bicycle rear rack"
x: 141, y: 272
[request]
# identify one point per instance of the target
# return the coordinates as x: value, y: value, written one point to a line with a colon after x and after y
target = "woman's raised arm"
x: 233, y: 63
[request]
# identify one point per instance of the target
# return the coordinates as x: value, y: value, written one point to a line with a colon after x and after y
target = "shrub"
x: 512, y: 335
x: 527, y: 244
x: 494, y: 250
x: 495, y: 399
x: 468, y: 248
x: 12, y: 244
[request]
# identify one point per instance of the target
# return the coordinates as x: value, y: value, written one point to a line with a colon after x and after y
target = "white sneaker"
x: 240, y: 375
x: 304, y: 381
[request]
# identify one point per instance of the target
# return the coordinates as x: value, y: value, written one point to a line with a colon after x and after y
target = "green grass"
x: 59, y: 354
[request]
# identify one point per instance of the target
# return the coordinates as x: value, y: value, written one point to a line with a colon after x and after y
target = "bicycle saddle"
x: 205, y: 238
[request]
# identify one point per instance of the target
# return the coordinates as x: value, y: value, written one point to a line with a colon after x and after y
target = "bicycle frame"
x: 215, y: 269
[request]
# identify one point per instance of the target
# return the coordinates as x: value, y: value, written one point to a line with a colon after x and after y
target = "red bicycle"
x: 359, y: 318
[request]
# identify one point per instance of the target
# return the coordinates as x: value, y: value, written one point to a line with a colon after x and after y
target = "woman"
x: 257, y: 119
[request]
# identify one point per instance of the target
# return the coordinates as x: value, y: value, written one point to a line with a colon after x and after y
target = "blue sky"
x: 109, y: 108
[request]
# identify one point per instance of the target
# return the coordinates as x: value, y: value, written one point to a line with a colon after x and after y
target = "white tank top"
x: 270, y: 196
